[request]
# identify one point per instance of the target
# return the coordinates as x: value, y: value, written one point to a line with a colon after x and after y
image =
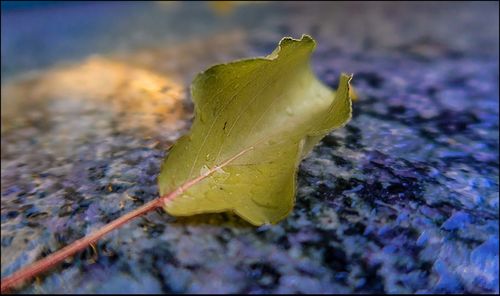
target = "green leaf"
x: 275, y: 108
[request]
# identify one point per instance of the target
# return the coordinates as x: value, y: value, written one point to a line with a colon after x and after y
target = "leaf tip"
x: 346, y: 79
x: 304, y: 40
x: 291, y: 44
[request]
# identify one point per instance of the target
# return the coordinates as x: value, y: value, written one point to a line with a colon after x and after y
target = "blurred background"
x: 404, y: 199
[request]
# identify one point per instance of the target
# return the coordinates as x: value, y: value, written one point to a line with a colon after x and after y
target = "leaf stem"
x: 50, y: 261
x: 79, y: 245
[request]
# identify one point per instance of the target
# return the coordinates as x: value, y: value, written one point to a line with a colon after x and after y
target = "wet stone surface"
x: 404, y: 199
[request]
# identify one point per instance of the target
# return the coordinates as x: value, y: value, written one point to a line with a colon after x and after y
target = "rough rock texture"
x: 403, y: 199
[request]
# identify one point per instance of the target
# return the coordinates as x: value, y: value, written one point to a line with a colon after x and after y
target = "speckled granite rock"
x: 403, y: 199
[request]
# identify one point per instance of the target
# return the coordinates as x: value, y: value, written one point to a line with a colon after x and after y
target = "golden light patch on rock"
x: 134, y: 97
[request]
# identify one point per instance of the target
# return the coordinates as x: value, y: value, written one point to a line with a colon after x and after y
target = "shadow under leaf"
x: 227, y: 219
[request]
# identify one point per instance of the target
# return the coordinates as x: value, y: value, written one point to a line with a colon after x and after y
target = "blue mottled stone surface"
x: 404, y: 199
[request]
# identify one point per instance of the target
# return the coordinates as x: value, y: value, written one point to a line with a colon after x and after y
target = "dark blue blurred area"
x: 41, y: 34
x: 36, y: 35
x: 9, y: 5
